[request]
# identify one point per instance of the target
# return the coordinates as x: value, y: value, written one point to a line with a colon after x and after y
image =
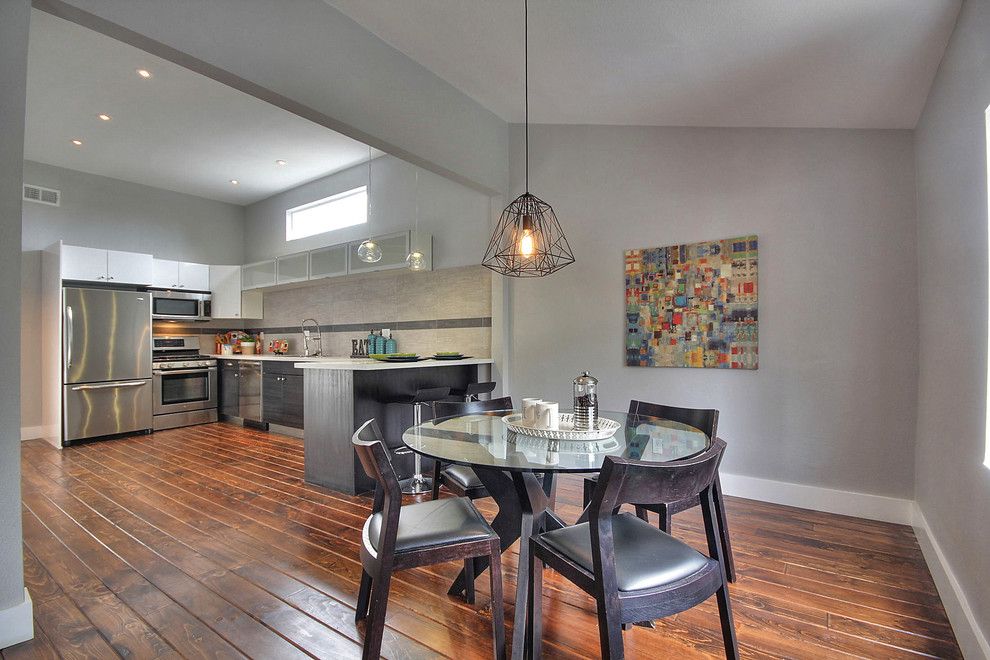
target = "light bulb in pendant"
x: 416, y: 261
x: 527, y: 244
x: 369, y: 252
x: 527, y: 241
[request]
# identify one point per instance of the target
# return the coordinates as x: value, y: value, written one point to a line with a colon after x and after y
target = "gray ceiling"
x: 178, y: 130
x: 785, y: 63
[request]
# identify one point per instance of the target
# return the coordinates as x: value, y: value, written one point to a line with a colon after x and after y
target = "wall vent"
x: 41, y: 195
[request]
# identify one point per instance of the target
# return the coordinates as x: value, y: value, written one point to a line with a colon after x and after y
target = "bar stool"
x: 419, y: 483
x: 473, y: 391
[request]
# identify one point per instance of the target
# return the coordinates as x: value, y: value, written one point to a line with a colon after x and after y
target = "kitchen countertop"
x: 351, y: 364
x: 271, y: 357
x: 367, y: 364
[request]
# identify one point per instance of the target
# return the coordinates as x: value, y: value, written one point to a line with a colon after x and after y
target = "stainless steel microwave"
x: 180, y: 305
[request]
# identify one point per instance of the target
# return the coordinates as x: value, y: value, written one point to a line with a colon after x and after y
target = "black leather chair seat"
x: 437, y: 522
x: 645, y: 557
x: 463, y: 476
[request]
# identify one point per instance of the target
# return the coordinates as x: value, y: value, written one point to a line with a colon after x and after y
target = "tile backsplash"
x: 443, y: 310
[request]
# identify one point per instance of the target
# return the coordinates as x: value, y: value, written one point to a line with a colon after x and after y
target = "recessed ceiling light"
x: 234, y: 181
x: 280, y: 163
x: 104, y: 116
x: 78, y: 143
x: 144, y: 73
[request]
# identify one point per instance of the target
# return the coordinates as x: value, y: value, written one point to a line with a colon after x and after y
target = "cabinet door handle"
x: 109, y: 277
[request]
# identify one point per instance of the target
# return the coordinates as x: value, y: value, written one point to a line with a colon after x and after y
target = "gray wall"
x: 832, y: 403
x: 952, y: 484
x: 457, y: 216
x: 98, y: 211
x: 311, y: 53
x: 14, y: 19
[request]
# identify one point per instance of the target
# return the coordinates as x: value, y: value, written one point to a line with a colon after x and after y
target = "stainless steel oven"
x: 184, y: 383
x: 180, y: 305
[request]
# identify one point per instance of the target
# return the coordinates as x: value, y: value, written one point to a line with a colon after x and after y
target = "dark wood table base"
x: 524, y: 508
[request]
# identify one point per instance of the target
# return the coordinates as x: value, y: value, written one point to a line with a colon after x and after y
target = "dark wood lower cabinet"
x: 282, y: 395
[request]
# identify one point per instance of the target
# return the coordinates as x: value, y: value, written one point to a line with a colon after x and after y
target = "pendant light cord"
x: 526, y: 81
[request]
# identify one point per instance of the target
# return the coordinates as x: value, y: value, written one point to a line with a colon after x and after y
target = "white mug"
x: 549, y: 415
x: 530, y: 410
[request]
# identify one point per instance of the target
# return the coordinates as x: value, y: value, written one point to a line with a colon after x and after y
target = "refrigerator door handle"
x: 68, y: 336
x: 106, y: 386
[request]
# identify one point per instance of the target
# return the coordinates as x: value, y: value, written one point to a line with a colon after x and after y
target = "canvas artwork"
x: 693, y: 305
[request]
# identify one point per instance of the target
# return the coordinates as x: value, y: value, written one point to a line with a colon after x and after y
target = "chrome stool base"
x: 418, y: 484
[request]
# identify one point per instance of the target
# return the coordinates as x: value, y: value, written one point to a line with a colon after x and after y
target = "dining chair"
x: 460, y: 479
x: 397, y: 537
x: 634, y: 571
x: 705, y: 420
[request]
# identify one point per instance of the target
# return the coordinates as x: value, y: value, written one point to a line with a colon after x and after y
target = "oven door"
x: 181, y: 390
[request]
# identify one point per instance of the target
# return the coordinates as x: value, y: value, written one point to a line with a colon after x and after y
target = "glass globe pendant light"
x: 369, y: 251
x: 528, y: 240
x: 416, y: 260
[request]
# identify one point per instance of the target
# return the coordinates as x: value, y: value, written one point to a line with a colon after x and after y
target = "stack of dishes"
x: 396, y: 357
x: 450, y: 355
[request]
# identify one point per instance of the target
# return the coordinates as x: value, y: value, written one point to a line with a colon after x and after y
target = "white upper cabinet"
x: 225, y: 284
x: 258, y: 275
x: 181, y: 275
x: 111, y: 266
x: 83, y: 263
x: 292, y: 268
x: 328, y: 262
x: 195, y: 277
x: 166, y: 274
x: 129, y: 267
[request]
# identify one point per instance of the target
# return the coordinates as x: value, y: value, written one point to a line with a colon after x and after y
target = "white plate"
x: 606, y: 428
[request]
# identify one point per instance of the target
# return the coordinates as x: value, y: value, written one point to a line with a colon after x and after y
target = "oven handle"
x: 198, y: 370
x: 105, y: 386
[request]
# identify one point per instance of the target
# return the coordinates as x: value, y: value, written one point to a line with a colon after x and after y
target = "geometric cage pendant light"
x: 528, y: 240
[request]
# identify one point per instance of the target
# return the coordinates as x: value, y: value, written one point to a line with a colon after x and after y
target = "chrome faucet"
x: 308, y: 336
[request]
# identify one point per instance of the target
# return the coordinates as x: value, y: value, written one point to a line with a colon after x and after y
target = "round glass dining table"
x: 518, y: 472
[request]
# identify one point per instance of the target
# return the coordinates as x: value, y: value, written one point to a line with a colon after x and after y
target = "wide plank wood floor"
x: 206, y: 542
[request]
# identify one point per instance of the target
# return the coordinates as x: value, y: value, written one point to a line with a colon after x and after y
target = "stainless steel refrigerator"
x: 106, y: 362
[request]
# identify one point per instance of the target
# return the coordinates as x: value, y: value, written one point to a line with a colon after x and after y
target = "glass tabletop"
x: 484, y: 440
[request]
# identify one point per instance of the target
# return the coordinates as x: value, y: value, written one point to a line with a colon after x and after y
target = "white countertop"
x: 367, y: 364
x: 271, y: 357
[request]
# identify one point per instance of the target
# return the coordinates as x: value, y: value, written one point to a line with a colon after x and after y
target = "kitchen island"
x: 343, y: 393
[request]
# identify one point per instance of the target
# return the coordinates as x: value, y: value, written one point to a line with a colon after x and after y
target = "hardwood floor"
x: 205, y: 541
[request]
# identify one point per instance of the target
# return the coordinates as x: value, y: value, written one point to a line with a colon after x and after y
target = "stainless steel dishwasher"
x: 249, y: 396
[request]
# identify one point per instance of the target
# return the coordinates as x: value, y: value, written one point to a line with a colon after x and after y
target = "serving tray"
x: 606, y: 428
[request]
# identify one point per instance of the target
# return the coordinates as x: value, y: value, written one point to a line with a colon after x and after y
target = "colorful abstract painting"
x: 693, y: 305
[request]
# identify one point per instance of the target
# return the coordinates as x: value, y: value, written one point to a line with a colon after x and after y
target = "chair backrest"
x: 625, y: 481
x: 377, y: 463
x: 453, y: 408
x: 703, y: 419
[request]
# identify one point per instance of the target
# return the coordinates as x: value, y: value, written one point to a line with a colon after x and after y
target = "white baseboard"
x: 971, y: 639
x: 860, y: 505
x: 38, y: 432
x: 17, y: 623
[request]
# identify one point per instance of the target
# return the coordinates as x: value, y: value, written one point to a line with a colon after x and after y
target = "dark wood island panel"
x: 339, y: 400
